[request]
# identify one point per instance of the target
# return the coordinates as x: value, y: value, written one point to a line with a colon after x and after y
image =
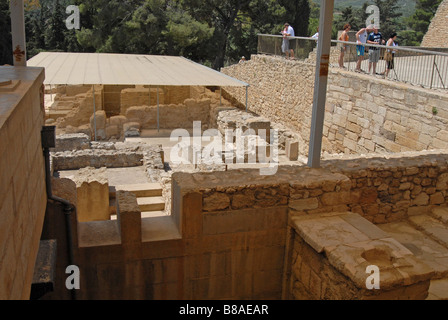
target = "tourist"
x: 344, y: 37
x: 287, y: 32
x: 390, y: 54
x: 375, y: 38
x: 316, y: 35
x: 361, y: 40
x: 243, y: 59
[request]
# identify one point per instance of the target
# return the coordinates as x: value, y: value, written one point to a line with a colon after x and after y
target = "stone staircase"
x: 149, y: 198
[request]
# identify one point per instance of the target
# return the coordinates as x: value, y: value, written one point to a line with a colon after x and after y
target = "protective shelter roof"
x: 67, y: 68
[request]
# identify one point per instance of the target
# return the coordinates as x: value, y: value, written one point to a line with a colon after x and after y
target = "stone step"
x: 438, y: 290
x: 146, y: 214
x: 432, y: 227
x: 441, y: 214
x: 151, y: 204
x: 152, y: 214
x: 142, y: 189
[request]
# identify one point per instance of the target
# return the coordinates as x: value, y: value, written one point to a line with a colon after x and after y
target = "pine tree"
x: 5, y: 34
x: 55, y: 29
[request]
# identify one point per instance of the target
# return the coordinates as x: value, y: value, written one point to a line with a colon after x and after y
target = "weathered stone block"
x: 292, y: 150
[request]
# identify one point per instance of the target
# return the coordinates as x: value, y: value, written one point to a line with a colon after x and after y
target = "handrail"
x: 422, y: 67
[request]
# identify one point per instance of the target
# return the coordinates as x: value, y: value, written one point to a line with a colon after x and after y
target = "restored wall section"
x: 365, y: 114
x: 23, y: 196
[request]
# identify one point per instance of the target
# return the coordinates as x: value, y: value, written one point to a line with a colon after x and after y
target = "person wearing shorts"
x: 375, y: 38
x: 361, y: 39
x: 287, y: 32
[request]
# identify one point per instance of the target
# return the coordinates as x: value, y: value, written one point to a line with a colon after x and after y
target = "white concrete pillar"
x: 320, y: 83
x: 18, y: 32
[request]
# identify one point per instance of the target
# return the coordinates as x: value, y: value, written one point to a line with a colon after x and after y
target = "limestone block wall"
x: 434, y: 37
x: 365, y: 114
x: 83, y: 107
x: 22, y: 180
x: 147, y: 95
x: 171, y: 116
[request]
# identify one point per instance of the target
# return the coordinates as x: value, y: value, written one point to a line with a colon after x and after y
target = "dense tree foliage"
x: 418, y: 23
x: 212, y: 32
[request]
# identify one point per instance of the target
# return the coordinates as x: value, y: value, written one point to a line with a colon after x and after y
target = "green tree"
x: 298, y: 15
x: 5, y: 34
x: 419, y: 22
x: 55, y: 28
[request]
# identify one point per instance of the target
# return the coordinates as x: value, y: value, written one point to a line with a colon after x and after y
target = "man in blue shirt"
x: 374, y: 53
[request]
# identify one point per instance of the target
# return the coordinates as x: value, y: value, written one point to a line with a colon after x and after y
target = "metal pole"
x: 94, y: 109
x: 433, y: 67
x: 246, y: 98
x: 320, y: 84
x: 18, y: 33
x: 158, y: 124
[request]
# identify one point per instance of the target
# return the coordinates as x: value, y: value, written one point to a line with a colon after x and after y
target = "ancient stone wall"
x: 366, y: 115
x: 23, y: 197
x: 435, y: 36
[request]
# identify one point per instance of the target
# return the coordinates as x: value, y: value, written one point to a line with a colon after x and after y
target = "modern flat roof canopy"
x: 68, y: 68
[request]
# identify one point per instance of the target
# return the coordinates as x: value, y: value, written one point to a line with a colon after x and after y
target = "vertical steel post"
x: 94, y: 109
x: 158, y: 123
x: 247, y: 98
x: 320, y: 84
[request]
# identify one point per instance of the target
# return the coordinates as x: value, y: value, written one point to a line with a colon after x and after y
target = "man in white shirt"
x: 287, y: 32
x: 361, y: 40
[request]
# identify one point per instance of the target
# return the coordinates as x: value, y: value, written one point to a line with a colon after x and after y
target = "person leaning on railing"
x: 389, y: 54
x: 361, y: 39
x: 344, y: 37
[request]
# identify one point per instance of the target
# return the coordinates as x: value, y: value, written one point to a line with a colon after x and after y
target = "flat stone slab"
x: 431, y: 227
x: 331, y: 229
x: 351, y: 244
x: 142, y: 189
x: 423, y: 247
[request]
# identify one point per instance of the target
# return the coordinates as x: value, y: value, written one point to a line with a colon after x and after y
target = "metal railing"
x: 421, y: 67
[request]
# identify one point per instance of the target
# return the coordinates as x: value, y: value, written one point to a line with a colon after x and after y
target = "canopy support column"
x: 247, y: 87
x: 320, y: 83
x: 94, y: 109
x: 158, y: 123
